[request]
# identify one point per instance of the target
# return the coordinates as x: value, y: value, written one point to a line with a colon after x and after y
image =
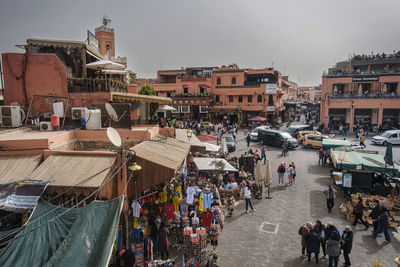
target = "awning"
x: 332, y: 143
x: 105, y: 64
x: 167, y: 152
x: 211, y: 164
x: 211, y: 147
x: 195, y: 144
x: 69, y: 170
x: 63, y: 237
x: 142, y: 98
x: 15, y: 168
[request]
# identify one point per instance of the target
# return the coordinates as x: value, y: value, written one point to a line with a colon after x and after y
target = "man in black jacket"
x: 346, y: 244
x: 375, y: 213
x: 313, y: 243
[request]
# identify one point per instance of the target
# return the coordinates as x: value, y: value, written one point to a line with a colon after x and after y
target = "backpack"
x: 282, y: 169
x: 335, y: 235
x: 301, y: 230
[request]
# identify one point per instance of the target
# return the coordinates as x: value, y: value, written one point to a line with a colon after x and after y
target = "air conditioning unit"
x: 11, y: 116
x: 79, y: 113
x: 45, y: 126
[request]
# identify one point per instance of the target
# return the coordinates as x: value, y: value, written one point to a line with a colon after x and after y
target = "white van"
x: 392, y: 136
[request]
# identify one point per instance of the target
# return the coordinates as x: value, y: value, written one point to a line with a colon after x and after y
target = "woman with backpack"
x: 303, y: 232
x: 281, y: 174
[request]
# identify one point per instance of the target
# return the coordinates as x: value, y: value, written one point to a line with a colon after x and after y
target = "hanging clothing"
x: 207, y: 218
x: 135, y: 223
x: 190, y: 195
x: 184, y: 208
x: 163, y: 196
x: 179, y: 189
x: 169, y: 211
x: 176, y: 201
x: 201, y: 202
x: 207, y: 201
x: 136, y: 208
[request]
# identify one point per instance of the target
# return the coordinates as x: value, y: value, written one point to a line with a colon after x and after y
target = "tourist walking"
x: 346, y: 244
x: 303, y: 231
x: 294, y: 170
x: 313, y: 242
x: 362, y: 140
x: 358, y: 213
x: 247, y: 197
x: 281, y: 173
x: 248, y: 139
x: 264, y: 153
x: 320, y: 156
x: 383, y: 225
x: 163, y: 242
x: 330, y: 194
x: 319, y: 228
x: 291, y: 173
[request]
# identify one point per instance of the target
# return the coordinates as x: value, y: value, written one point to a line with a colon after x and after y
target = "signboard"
x: 21, y: 196
x: 365, y: 79
x: 270, y: 108
x: 270, y: 88
x: 347, y: 179
x: 93, y: 41
x: 193, y: 79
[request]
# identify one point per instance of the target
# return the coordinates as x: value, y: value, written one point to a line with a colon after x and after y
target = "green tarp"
x: 332, y: 143
x: 354, y: 160
x: 80, y: 237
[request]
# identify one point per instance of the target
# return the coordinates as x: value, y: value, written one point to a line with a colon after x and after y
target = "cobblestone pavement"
x: 268, y: 237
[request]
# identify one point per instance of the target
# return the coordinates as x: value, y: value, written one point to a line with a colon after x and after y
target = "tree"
x: 147, y: 90
x: 132, y: 77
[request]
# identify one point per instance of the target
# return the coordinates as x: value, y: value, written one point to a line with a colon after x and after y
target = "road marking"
x: 269, y: 228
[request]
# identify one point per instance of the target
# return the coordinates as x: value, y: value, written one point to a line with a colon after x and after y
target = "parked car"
x: 230, y: 143
x: 275, y: 138
x: 254, y: 133
x: 392, y: 136
x: 295, y: 129
x: 313, y: 140
x: 300, y: 138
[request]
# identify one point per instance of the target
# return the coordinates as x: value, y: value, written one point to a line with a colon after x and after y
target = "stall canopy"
x: 70, y: 170
x: 160, y: 159
x: 332, y: 143
x: 15, y: 168
x: 209, y: 164
x: 212, y: 147
x: 195, y: 144
x: 79, y: 237
x: 356, y: 160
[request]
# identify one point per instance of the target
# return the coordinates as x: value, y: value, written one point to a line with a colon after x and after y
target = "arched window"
x: 259, y: 98
x: 233, y: 80
x: 270, y: 100
x: 108, y: 51
x: 218, y: 81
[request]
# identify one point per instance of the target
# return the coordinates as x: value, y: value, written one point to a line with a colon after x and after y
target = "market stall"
x: 328, y: 143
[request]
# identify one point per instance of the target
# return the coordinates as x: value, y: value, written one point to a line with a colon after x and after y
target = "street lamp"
x: 189, y: 133
x: 134, y: 166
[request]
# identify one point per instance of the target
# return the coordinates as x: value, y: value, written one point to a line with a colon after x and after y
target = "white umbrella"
x: 105, y: 65
x: 267, y: 174
x: 166, y: 108
x: 211, y: 147
x: 224, y: 147
x: 360, y: 89
x: 384, y: 89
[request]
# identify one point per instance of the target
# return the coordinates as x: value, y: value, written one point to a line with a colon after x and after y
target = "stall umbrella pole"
x: 269, y: 196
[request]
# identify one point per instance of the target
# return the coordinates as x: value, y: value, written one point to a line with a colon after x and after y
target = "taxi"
x: 313, y: 140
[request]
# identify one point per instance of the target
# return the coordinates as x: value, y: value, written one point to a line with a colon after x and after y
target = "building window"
x: 240, y: 98
x: 391, y: 88
x: 217, y: 98
x: 233, y: 80
x: 202, y: 91
x: 363, y: 88
x: 218, y: 81
x: 168, y: 94
x: 231, y: 98
x: 270, y: 100
x: 259, y: 98
x: 185, y: 90
x: 249, y: 98
x: 108, y: 51
x: 338, y: 89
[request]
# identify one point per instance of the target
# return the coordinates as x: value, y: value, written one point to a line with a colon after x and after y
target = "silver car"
x: 254, y: 133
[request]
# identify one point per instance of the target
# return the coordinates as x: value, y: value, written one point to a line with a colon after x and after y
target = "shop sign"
x: 365, y: 79
x: 347, y: 179
x: 21, y: 196
x: 93, y: 41
x: 270, y: 88
x: 270, y: 109
x: 193, y: 80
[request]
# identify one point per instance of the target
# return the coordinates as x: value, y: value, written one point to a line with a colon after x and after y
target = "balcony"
x: 355, y: 96
x: 365, y: 73
x: 206, y: 95
x: 94, y: 85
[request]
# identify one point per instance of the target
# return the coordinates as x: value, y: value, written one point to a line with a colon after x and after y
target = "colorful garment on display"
x: 179, y: 189
x: 176, y: 201
x: 201, y: 202
x: 184, y: 208
x: 207, y: 218
x: 190, y: 195
x: 136, y: 208
x: 160, y: 210
x: 135, y: 223
x: 169, y: 211
x: 137, y: 234
x: 207, y: 198
x: 163, y: 196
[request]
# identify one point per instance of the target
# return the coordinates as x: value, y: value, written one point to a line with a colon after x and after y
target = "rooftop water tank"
x: 93, y: 119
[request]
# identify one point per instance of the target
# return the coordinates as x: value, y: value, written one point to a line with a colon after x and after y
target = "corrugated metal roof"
x: 69, y: 170
x: 17, y: 167
x: 165, y: 151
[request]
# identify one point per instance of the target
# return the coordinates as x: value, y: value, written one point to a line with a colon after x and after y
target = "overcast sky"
x: 302, y: 38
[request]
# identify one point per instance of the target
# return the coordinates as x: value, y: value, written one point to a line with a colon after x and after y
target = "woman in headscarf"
x: 346, y: 244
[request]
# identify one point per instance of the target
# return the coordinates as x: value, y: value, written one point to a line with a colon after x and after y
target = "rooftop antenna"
x: 114, y: 137
x: 112, y: 114
x: 106, y: 20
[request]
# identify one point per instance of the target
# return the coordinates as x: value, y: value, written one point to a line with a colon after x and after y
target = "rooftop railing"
x: 353, y: 96
x: 96, y: 85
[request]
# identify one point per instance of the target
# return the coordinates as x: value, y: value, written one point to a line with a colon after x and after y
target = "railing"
x: 182, y: 76
x: 352, y: 96
x: 207, y: 95
x: 345, y: 74
x: 94, y: 85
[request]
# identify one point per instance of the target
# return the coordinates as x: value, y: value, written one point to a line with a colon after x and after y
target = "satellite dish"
x: 114, y: 137
x: 111, y: 112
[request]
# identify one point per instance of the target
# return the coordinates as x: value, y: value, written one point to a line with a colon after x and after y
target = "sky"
x: 299, y: 38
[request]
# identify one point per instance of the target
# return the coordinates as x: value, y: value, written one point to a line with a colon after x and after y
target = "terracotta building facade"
x: 227, y: 92
x: 363, y: 90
